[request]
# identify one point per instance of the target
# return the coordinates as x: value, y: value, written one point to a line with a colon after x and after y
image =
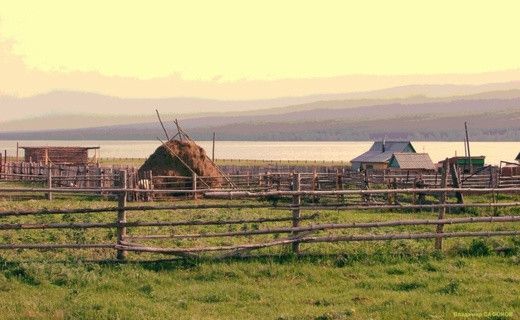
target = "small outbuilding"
x: 417, y: 162
x: 58, y: 155
x: 476, y: 162
x: 379, y: 155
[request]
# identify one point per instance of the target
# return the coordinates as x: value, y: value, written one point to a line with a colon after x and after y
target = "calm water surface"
x: 287, y: 150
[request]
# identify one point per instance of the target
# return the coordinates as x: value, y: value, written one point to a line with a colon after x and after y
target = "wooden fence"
x: 305, y: 225
x: 106, y: 177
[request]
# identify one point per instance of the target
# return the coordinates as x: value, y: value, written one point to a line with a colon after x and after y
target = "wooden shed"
x: 58, y: 155
x: 476, y: 162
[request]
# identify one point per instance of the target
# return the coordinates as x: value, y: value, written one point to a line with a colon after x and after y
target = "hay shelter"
x: 182, y: 158
x: 59, y: 155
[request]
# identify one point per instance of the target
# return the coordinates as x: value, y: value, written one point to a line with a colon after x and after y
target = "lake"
x: 286, y: 150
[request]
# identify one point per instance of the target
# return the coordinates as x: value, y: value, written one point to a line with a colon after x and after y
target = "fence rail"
x: 304, y: 215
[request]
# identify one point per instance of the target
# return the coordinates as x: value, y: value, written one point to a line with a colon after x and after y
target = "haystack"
x: 165, y: 162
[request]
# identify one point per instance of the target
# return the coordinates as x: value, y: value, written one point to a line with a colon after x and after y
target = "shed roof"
x: 59, y: 147
x: 408, y: 160
x: 376, y: 153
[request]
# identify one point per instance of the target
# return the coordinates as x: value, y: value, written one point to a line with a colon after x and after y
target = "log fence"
x: 101, y: 178
x: 306, y: 223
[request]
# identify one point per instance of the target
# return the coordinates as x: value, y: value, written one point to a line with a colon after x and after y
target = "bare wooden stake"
x: 469, y: 152
x: 442, y: 200
x: 49, y: 182
x: 296, y: 211
x: 121, y: 217
x: 162, y: 125
x: 213, y: 149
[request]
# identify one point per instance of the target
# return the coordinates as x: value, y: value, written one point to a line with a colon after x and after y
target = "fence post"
x: 49, y: 181
x: 493, y: 184
x: 456, y: 182
x: 121, y: 216
x: 296, y: 210
x: 150, y: 195
x: 340, y: 184
x: 194, y: 185
x: 442, y: 201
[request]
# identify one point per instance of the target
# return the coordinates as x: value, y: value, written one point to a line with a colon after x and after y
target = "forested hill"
x: 491, y: 116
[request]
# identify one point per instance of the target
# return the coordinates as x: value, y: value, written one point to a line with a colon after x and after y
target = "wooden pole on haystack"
x: 469, y: 152
x: 179, y: 131
x: 162, y: 125
x: 182, y: 133
x: 213, y: 149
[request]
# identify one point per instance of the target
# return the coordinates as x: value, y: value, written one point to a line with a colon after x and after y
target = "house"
x: 379, y: 155
x: 58, y: 155
x: 477, y: 162
x: 418, y: 162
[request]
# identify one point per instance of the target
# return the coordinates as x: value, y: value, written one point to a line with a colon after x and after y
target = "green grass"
x: 370, y: 280
x: 261, y: 288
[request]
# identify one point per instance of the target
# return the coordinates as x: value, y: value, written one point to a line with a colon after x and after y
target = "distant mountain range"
x: 411, y: 112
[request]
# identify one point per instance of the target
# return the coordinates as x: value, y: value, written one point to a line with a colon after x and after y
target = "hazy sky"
x: 234, y: 48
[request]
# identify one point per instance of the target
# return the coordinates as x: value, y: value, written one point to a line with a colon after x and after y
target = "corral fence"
x: 295, y: 218
x: 106, y: 177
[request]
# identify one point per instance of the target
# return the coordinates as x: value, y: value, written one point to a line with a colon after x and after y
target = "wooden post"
x: 394, y: 186
x: 150, y: 195
x: 194, y: 185
x: 17, y: 151
x: 367, y: 197
x: 455, y: 177
x: 49, y: 181
x: 121, y: 216
x: 493, y: 184
x: 296, y: 210
x: 414, y: 195
x: 340, y: 184
x: 469, y: 152
x: 213, y: 149
x: 314, y: 184
x: 442, y: 200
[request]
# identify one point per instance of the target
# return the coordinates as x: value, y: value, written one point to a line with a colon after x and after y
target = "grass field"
x: 371, y: 280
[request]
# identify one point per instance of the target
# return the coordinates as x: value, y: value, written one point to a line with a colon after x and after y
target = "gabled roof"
x: 408, y: 160
x: 518, y: 156
x: 376, y: 153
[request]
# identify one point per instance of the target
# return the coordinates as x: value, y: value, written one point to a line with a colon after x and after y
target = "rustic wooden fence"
x: 303, y: 218
x: 100, y: 177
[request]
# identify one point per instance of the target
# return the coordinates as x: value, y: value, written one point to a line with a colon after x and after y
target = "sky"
x: 252, y: 49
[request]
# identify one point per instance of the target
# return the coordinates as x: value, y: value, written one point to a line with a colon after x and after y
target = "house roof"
x: 518, y: 156
x: 376, y: 153
x: 408, y: 160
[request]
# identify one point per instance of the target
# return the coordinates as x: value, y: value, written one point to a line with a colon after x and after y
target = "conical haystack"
x: 164, y: 162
